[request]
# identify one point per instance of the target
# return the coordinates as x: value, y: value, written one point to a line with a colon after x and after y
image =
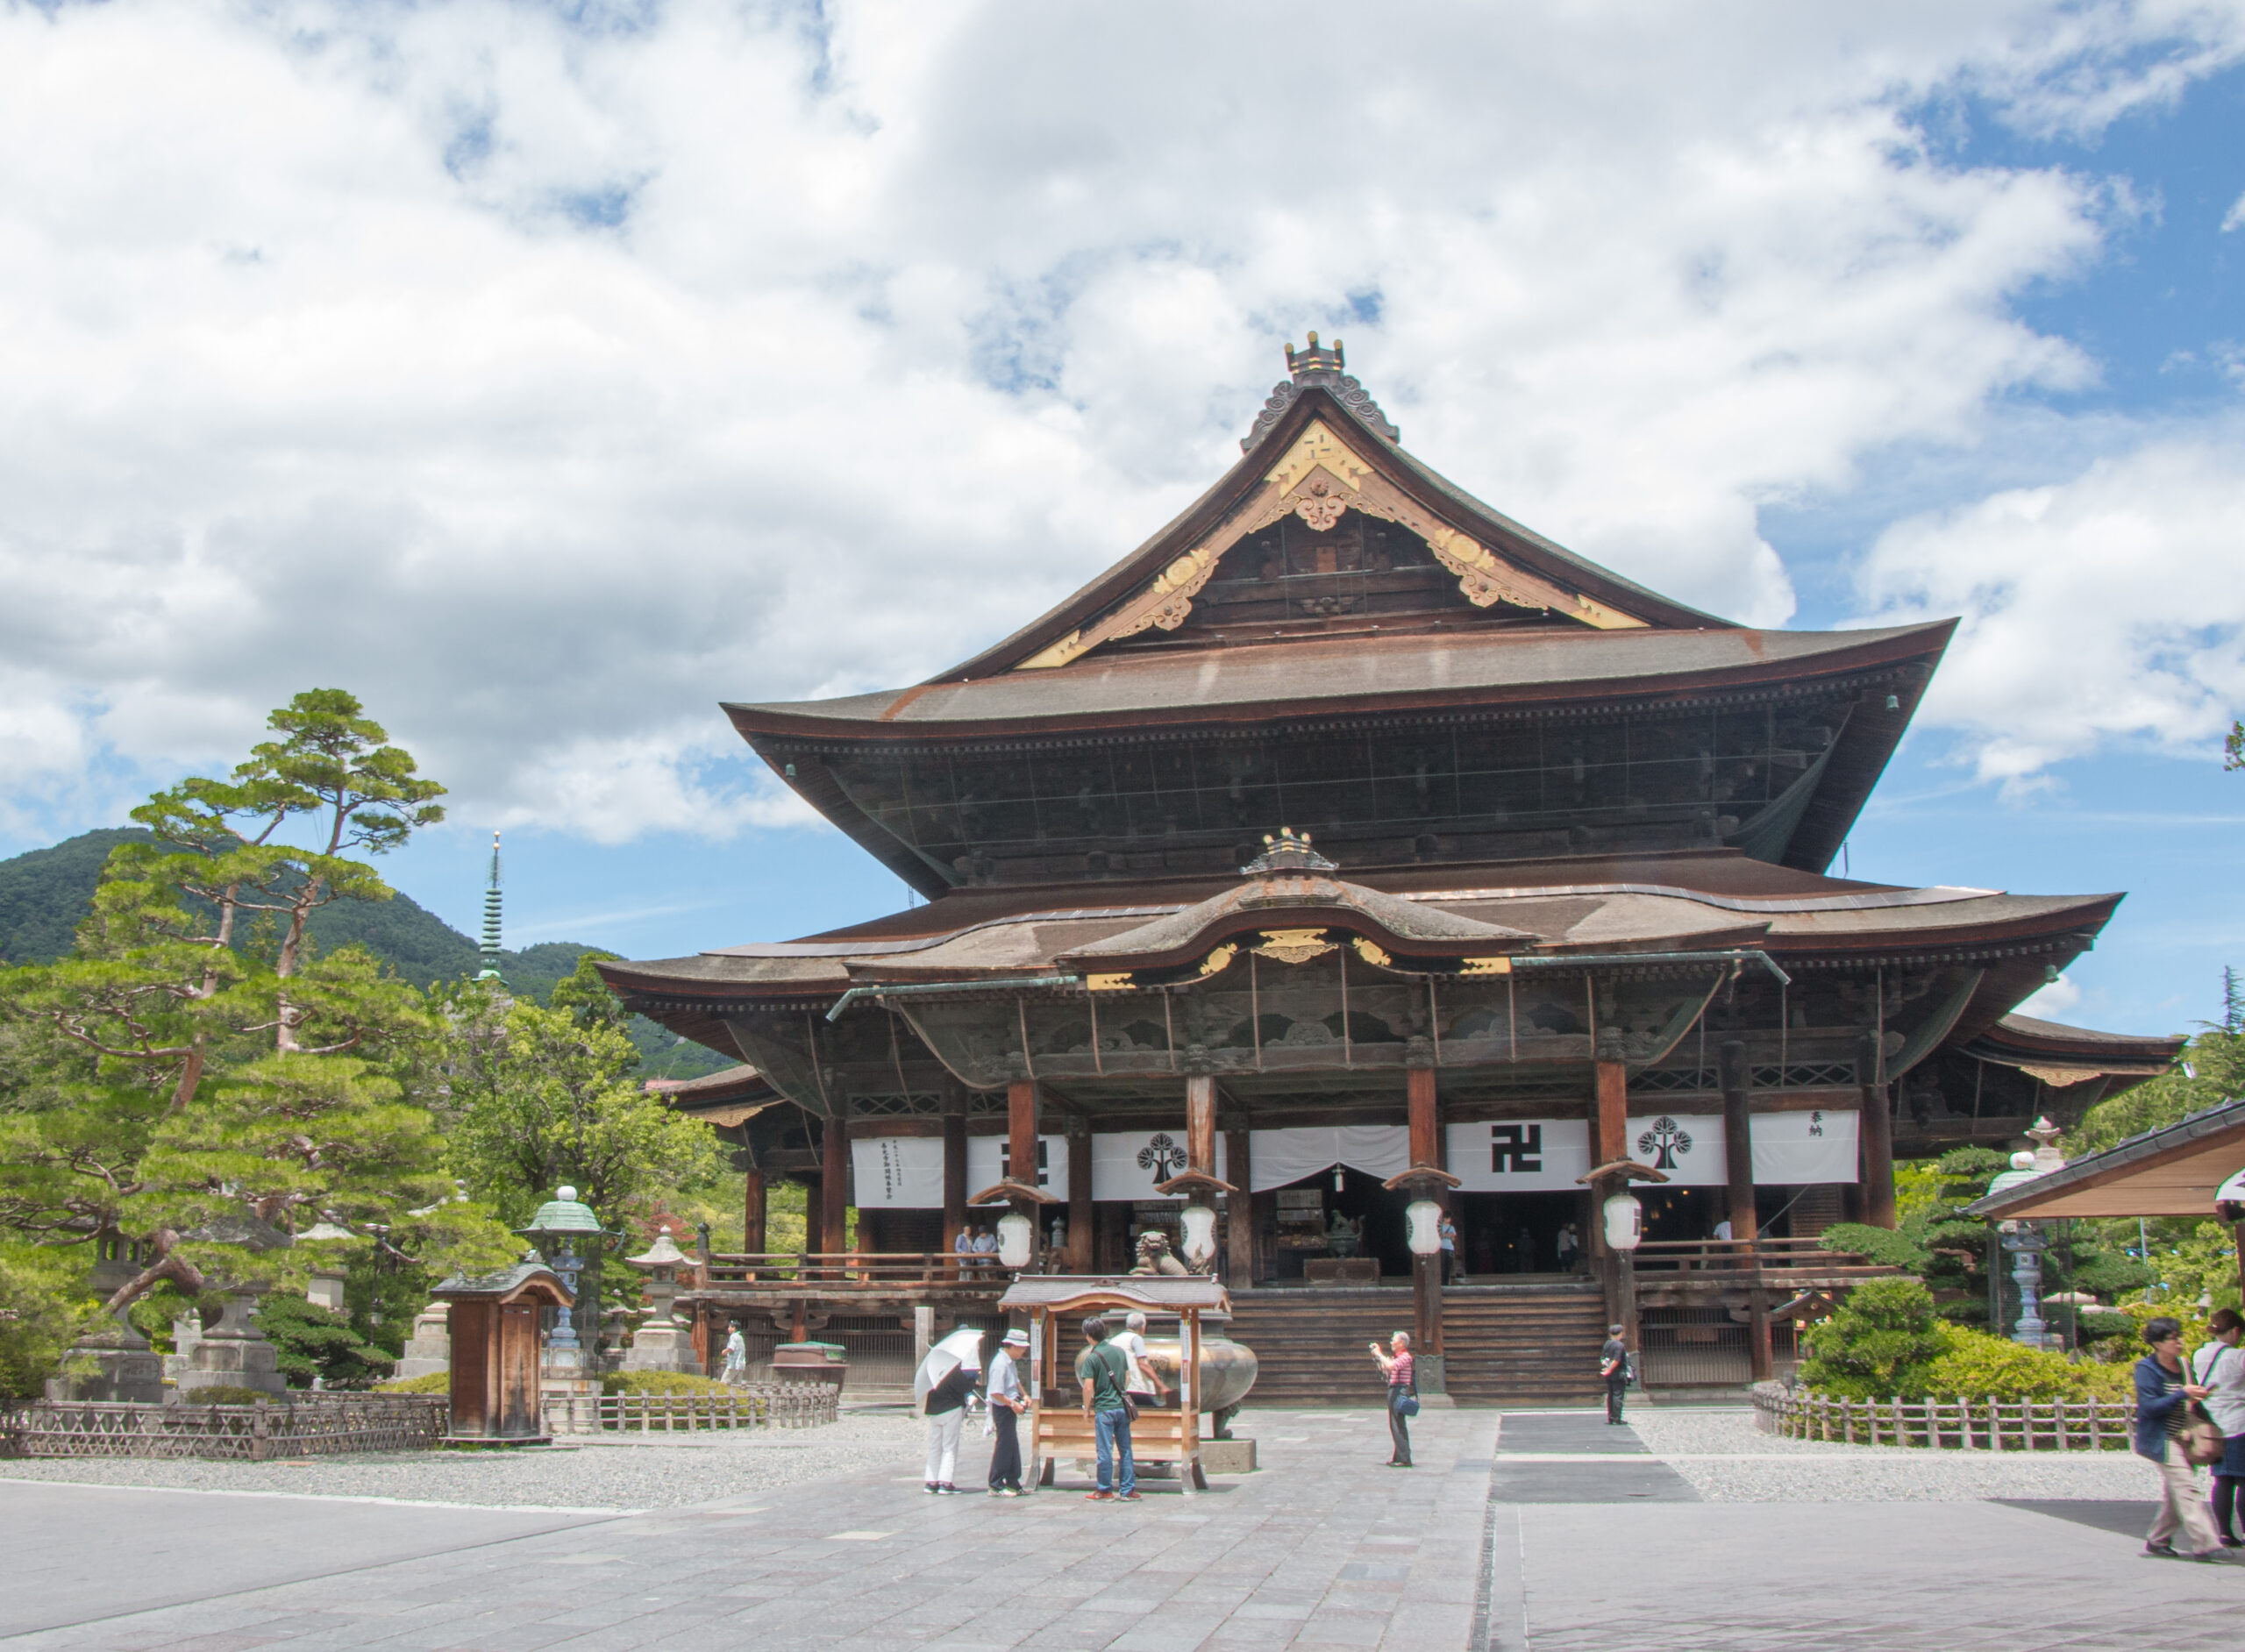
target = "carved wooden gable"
x: 1326, y: 535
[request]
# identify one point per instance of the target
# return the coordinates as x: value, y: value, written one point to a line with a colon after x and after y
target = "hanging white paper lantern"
x: 1624, y: 1221
x: 1425, y: 1217
x: 1017, y: 1239
x: 1199, y: 1236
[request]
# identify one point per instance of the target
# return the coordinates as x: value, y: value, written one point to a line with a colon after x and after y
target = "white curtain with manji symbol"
x: 1127, y: 1164
x: 906, y: 1173
x: 1519, y: 1156
x: 989, y: 1161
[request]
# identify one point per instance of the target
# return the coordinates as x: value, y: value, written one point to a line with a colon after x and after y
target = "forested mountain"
x: 44, y: 895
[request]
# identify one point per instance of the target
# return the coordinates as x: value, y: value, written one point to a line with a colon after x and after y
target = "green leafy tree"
x: 206, y: 1097
x: 1880, y: 1344
x: 38, y: 1319
x: 311, y: 1341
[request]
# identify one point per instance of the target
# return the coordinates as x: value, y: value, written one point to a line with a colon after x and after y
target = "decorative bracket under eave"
x: 1627, y: 1169
x: 1006, y: 1192
x: 1422, y: 1178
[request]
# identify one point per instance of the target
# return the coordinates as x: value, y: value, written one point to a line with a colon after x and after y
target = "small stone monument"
x: 661, y: 1342
x: 325, y: 1288
x: 233, y: 1353
x: 430, y: 1349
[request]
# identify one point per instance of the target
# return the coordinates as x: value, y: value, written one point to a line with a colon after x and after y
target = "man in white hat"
x: 1007, y: 1401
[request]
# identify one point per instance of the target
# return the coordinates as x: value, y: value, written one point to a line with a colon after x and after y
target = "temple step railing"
x: 844, y: 1269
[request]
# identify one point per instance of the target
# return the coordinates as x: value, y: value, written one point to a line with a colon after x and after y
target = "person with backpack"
x: 1104, y: 1370
x: 1402, y: 1397
x: 2220, y: 1367
x: 1614, y: 1368
x: 2163, y: 1397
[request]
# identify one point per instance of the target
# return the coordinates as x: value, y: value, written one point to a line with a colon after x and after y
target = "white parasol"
x: 960, y: 1347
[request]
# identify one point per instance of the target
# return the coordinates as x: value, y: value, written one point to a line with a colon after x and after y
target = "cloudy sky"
x: 545, y: 375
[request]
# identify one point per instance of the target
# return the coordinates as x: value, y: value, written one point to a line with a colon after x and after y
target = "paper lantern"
x: 1624, y: 1221
x: 1199, y: 1236
x: 1017, y: 1239
x: 1425, y: 1217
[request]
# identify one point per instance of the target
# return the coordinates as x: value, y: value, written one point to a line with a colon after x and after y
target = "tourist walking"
x: 2219, y: 1368
x: 736, y: 1367
x: 1104, y: 1369
x: 1402, y: 1397
x: 1569, y: 1249
x: 946, y: 1409
x: 1614, y: 1368
x: 2163, y: 1397
x: 1007, y: 1403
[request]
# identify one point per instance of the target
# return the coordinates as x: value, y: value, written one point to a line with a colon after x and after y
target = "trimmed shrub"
x: 1879, y: 1345
x: 660, y: 1382
x: 436, y: 1382
x: 226, y: 1394
x: 1976, y: 1363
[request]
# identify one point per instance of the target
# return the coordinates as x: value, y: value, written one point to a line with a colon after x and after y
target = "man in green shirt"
x: 1104, y: 1370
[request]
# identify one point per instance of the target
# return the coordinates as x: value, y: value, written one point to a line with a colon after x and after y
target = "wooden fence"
x: 301, y: 1426
x: 744, y: 1405
x: 1987, y: 1423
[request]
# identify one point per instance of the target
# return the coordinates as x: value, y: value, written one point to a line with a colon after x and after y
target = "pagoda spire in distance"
x: 490, y: 946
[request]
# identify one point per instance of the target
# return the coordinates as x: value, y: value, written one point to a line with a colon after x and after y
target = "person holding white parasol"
x: 941, y: 1387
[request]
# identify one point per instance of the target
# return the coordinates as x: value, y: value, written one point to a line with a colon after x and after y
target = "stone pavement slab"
x: 76, y: 1552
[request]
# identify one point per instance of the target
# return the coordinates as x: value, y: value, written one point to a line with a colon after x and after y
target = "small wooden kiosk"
x: 1057, y: 1427
x: 495, y: 1343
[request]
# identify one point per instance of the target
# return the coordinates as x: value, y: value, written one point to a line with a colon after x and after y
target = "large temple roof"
x: 1261, y: 680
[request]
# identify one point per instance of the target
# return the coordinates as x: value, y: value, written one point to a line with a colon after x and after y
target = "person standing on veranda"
x: 1396, y: 1366
x: 1007, y: 1403
x: 2163, y: 1397
x: 1104, y: 1369
x: 1448, y: 1233
x: 1613, y: 1371
x: 2219, y: 1368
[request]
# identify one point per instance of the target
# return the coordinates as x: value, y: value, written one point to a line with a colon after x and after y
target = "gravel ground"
x: 696, y: 1469
x: 1728, y: 1460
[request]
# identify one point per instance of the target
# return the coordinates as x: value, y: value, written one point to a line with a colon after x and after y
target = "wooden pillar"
x: 1738, y: 1138
x: 1239, y: 1210
x: 1021, y: 1142
x: 1609, y: 1136
x: 1876, y: 1134
x: 1426, y: 1154
x: 954, y: 1171
x: 751, y: 1213
x: 1757, y: 1330
x: 1082, y: 1235
x: 834, y: 1185
x: 1201, y: 1124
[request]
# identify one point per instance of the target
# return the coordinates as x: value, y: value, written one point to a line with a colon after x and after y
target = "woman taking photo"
x: 1400, y: 1386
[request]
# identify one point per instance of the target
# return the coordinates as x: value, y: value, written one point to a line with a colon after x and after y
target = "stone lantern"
x: 569, y: 1236
x: 2026, y: 1242
x: 661, y: 1344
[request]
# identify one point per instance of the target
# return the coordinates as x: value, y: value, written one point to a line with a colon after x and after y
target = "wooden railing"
x: 744, y: 1405
x: 303, y: 1425
x: 1746, y: 1256
x: 1986, y: 1424
x: 847, y: 1269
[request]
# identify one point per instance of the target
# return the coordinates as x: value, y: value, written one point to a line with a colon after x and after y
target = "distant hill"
x: 45, y: 894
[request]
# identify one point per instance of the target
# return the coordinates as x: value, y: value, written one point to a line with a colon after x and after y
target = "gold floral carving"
x: 1317, y: 448
x: 2059, y: 1078
x: 1294, y: 946
x: 1217, y: 962
x: 1486, y: 966
x: 1322, y: 508
x: 1118, y: 983
x: 1371, y: 954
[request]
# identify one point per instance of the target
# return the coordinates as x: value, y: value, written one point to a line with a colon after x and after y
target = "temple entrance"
x: 1504, y: 1234
x: 1374, y: 1225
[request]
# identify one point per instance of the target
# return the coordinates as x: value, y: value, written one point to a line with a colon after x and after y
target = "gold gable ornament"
x: 1294, y: 946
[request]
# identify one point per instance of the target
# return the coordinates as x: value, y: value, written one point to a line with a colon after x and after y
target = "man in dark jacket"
x: 2163, y: 1399
x: 1614, y: 1368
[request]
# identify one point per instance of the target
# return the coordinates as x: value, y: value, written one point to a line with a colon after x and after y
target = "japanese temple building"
x: 1347, y: 829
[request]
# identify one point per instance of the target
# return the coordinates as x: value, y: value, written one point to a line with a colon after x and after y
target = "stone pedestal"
x: 661, y: 1345
x: 1227, y: 1456
x: 186, y: 1333
x: 430, y: 1349
x: 325, y: 1288
x: 123, y: 1368
x: 233, y: 1354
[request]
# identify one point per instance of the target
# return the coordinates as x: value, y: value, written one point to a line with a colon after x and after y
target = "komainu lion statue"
x: 1153, y: 1255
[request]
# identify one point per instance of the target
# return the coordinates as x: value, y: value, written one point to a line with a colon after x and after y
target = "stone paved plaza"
x: 1542, y: 1530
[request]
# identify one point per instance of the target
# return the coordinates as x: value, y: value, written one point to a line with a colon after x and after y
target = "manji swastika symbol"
x: 1515, y: 1147
x: 1044, y: 1161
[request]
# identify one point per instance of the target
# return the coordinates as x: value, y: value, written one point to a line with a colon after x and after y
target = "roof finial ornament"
x: 1319, y: 367
x: 1288, y: 851
x: 490, y: 947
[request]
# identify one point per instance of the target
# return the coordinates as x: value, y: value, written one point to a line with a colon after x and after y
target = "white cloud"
x: 2109, y: 608
x: 547, y: 381
x: 2235, y: 218
x: 2054, y: 1001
